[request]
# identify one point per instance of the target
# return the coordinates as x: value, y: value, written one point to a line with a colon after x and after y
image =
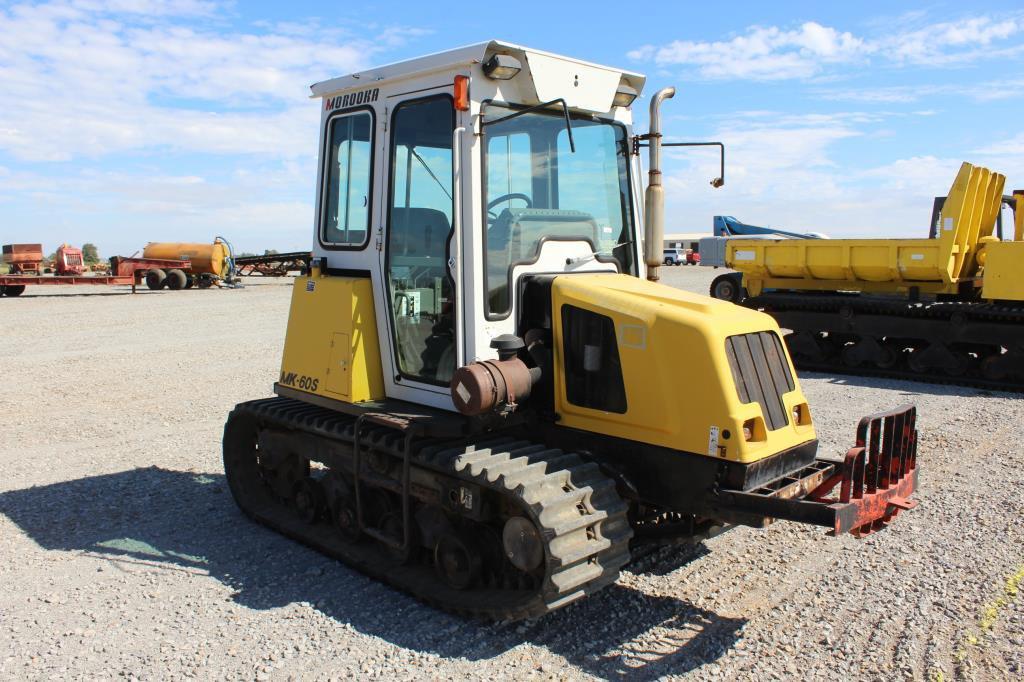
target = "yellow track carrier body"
x: 480, y: 399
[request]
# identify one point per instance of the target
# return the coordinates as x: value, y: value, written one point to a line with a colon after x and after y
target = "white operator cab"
x: 444, y: 180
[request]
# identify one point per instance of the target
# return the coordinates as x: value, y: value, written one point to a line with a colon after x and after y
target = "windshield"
x: 536, y: 188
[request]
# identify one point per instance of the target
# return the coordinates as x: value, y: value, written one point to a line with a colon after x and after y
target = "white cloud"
x: 129, y: 75
x: 1011, y: 148
x: 148, y: 87
x: 762, y: 53
x: 151, y: 8
x: 268, y: 207
x: 986, y: 91
x: 779, y: 159
x: 781, y: 172
x: 773, y: 53
x: 917, y: 176
x: 952, y: 41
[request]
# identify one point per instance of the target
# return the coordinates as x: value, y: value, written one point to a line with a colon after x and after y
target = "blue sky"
x: 130, y: 121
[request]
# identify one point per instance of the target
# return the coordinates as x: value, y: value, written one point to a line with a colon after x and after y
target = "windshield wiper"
x: 429, y: 172
x: 594, y: 254
x: 535, y: 107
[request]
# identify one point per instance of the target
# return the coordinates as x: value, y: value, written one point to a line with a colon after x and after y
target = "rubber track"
x: 1012, y: 316
x: 576, y: 508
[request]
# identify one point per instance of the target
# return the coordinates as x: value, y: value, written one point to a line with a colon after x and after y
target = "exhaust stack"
x: 654, y: 199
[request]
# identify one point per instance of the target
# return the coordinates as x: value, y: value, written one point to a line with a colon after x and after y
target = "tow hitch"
x: 860, y: 495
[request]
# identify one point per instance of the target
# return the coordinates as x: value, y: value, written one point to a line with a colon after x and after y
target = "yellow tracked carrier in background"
x: 935, y: 266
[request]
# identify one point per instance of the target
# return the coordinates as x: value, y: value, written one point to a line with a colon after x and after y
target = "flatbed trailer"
x: 273, y: 265
x: 124, y: 271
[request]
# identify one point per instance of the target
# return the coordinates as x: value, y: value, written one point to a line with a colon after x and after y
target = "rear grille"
x: 761, y: 374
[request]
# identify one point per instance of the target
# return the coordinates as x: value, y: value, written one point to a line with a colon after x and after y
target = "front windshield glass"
x: 536, y: 188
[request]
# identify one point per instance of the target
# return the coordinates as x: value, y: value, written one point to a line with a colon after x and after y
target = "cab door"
x: 417, y: 242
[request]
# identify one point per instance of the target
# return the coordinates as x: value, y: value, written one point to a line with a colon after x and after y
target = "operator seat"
x: 516, y: 234
x: 418, y: 242
x: 416, y: 231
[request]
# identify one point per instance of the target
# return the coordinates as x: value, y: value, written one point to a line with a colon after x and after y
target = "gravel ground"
x: 122, y: 553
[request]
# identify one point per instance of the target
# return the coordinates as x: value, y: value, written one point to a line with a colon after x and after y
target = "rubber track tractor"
x: 473, y: 403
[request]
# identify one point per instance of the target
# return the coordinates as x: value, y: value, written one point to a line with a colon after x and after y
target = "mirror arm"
x: 638, y: 142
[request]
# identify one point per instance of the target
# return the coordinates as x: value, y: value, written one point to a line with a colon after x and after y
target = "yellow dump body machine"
x: 948, y: 307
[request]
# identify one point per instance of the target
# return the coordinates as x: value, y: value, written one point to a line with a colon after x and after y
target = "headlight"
x: 624, y: 96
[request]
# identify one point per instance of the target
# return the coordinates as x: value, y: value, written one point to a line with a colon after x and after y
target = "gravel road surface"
x: 123, y: 555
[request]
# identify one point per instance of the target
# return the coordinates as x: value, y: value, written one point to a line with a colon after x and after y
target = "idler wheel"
x: 308, y: 500
x: 456, y: 560
x: 524, y: 547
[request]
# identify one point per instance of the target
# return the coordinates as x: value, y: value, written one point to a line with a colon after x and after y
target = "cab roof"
x: 450, y: 60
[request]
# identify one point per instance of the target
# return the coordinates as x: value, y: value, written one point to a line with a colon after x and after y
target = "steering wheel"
x: 492, y: 216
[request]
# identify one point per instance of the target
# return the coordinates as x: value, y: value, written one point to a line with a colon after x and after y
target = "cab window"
x: 348, y: 169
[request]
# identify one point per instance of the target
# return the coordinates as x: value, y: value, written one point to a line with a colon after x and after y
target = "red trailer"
x: 122, y: 271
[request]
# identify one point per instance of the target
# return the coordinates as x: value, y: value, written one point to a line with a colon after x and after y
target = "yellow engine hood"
x: 687, y: 385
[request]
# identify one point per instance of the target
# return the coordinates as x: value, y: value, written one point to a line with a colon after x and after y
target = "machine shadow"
x: 665, y: 560
x: 156, y: 519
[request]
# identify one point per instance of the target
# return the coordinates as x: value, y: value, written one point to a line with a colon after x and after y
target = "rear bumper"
x: 859, y: 495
